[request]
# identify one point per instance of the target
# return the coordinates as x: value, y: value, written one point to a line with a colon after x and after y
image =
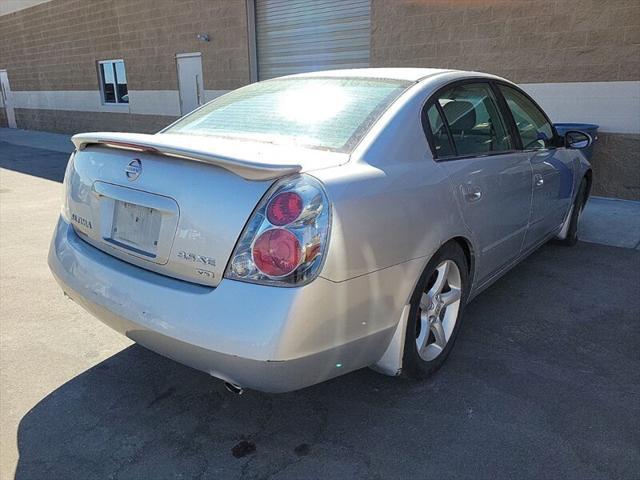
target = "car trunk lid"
x: 169, y: 207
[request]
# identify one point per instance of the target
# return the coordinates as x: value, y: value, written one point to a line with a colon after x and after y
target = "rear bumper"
x: 266, y: 338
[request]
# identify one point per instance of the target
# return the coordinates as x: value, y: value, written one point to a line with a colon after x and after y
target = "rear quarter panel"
x: 392, y: 202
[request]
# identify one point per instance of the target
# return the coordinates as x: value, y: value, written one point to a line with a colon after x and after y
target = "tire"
x: 427, y: 312
x: 577, y: 207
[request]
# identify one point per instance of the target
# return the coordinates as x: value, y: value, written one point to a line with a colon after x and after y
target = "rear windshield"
x: 324, y: 113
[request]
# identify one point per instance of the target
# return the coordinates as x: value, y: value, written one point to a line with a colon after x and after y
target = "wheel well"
x: 465, y: 244
x: 589, y: 177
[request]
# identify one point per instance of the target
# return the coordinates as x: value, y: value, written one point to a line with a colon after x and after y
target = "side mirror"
x: 577, y: 140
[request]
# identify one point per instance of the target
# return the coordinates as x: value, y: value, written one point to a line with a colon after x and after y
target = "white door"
x: 295, y: 36
x: 190, y: 81
x: 6, y: 100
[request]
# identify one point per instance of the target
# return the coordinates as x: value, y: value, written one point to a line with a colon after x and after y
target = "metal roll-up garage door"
x: 294, y: 36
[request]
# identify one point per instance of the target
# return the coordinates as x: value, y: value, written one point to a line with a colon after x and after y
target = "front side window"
x: 113, y: 81
x: 535, y: 130
x: 475, y: 122
x: 317, y: 112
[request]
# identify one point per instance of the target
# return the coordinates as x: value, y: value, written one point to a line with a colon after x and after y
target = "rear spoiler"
x: 138, y: 142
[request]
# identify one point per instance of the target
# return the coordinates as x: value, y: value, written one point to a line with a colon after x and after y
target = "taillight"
x: 285, y: 239
x: 284, y: 208
x: 276, y: 252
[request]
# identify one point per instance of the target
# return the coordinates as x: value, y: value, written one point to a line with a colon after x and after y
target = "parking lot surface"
x: 544, y: 381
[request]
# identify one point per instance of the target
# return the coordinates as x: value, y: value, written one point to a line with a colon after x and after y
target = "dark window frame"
x: 445, y: 124
x: 101, y: 65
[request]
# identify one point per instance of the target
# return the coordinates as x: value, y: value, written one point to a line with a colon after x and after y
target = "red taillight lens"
x: 286, y: 237
x: 277, y: 252
x: 284, y: 208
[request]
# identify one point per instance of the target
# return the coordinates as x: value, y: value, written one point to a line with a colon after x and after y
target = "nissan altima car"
x: 300, y: 228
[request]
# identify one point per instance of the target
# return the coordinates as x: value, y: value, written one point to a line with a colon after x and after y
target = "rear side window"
x: 324, y: 113
x: 439, y: 134
x: 535, y: 130
x: 475, y: 122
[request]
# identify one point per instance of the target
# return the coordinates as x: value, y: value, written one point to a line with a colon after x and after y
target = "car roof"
x: 407, y: 74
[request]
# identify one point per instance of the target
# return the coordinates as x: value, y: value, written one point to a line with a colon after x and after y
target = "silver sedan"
x: 303, y: 227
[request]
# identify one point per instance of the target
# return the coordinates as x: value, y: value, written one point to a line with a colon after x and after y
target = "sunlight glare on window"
x: 312, y: 103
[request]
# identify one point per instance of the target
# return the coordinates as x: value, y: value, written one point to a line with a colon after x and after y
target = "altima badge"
x: 133, y: 170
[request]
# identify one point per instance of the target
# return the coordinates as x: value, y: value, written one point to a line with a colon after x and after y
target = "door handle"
x: 539, y: 181
x: 472, y: 193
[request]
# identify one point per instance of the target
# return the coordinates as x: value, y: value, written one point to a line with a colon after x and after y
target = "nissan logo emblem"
x: 133, y: 170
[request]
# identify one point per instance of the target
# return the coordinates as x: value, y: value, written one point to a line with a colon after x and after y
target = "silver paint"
x: 393, y: 207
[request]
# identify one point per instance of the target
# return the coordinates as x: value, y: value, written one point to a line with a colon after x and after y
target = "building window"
x: 113, y: 81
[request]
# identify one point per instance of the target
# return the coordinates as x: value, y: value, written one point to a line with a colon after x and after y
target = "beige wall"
x: 616, y: 166
x: 8, y: 6
x: 75, y: 121
x: 55, y: 45
x: 527, y: 41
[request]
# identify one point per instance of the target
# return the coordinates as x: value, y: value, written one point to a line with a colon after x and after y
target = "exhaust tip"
x: 233, y: 388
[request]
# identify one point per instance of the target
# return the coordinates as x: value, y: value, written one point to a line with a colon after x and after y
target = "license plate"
x: 136, y: 227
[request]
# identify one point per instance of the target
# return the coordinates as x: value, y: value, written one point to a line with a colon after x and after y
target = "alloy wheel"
x: 438, y: 312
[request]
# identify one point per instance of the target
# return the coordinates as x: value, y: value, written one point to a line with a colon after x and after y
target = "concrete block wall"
x: 527, y: 41
x: 61, y: 121
x: 557, y: 49
x: 51, y: 50
x: 616, y: 166
x: 55, y: 45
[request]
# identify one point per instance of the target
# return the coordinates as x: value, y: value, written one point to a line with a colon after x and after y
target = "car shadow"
x: 38, y: 162
x: 516, y: 399
x: 140, y: 415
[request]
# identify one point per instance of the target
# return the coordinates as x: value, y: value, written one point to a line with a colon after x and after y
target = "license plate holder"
x: 136, y: 227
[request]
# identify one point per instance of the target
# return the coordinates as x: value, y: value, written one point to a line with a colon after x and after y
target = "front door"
x: 6, y: 99
x: 552, y: 180
x: 190, y: 81
x: 491, y: 180
x: 552, y: 185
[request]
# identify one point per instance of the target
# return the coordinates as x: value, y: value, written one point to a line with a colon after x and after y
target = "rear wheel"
x: 576, y: 210
x: 436, y: 312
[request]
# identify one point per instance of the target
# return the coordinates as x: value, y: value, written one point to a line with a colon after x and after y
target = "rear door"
x: 491, y: 180
x: 552, y: 180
